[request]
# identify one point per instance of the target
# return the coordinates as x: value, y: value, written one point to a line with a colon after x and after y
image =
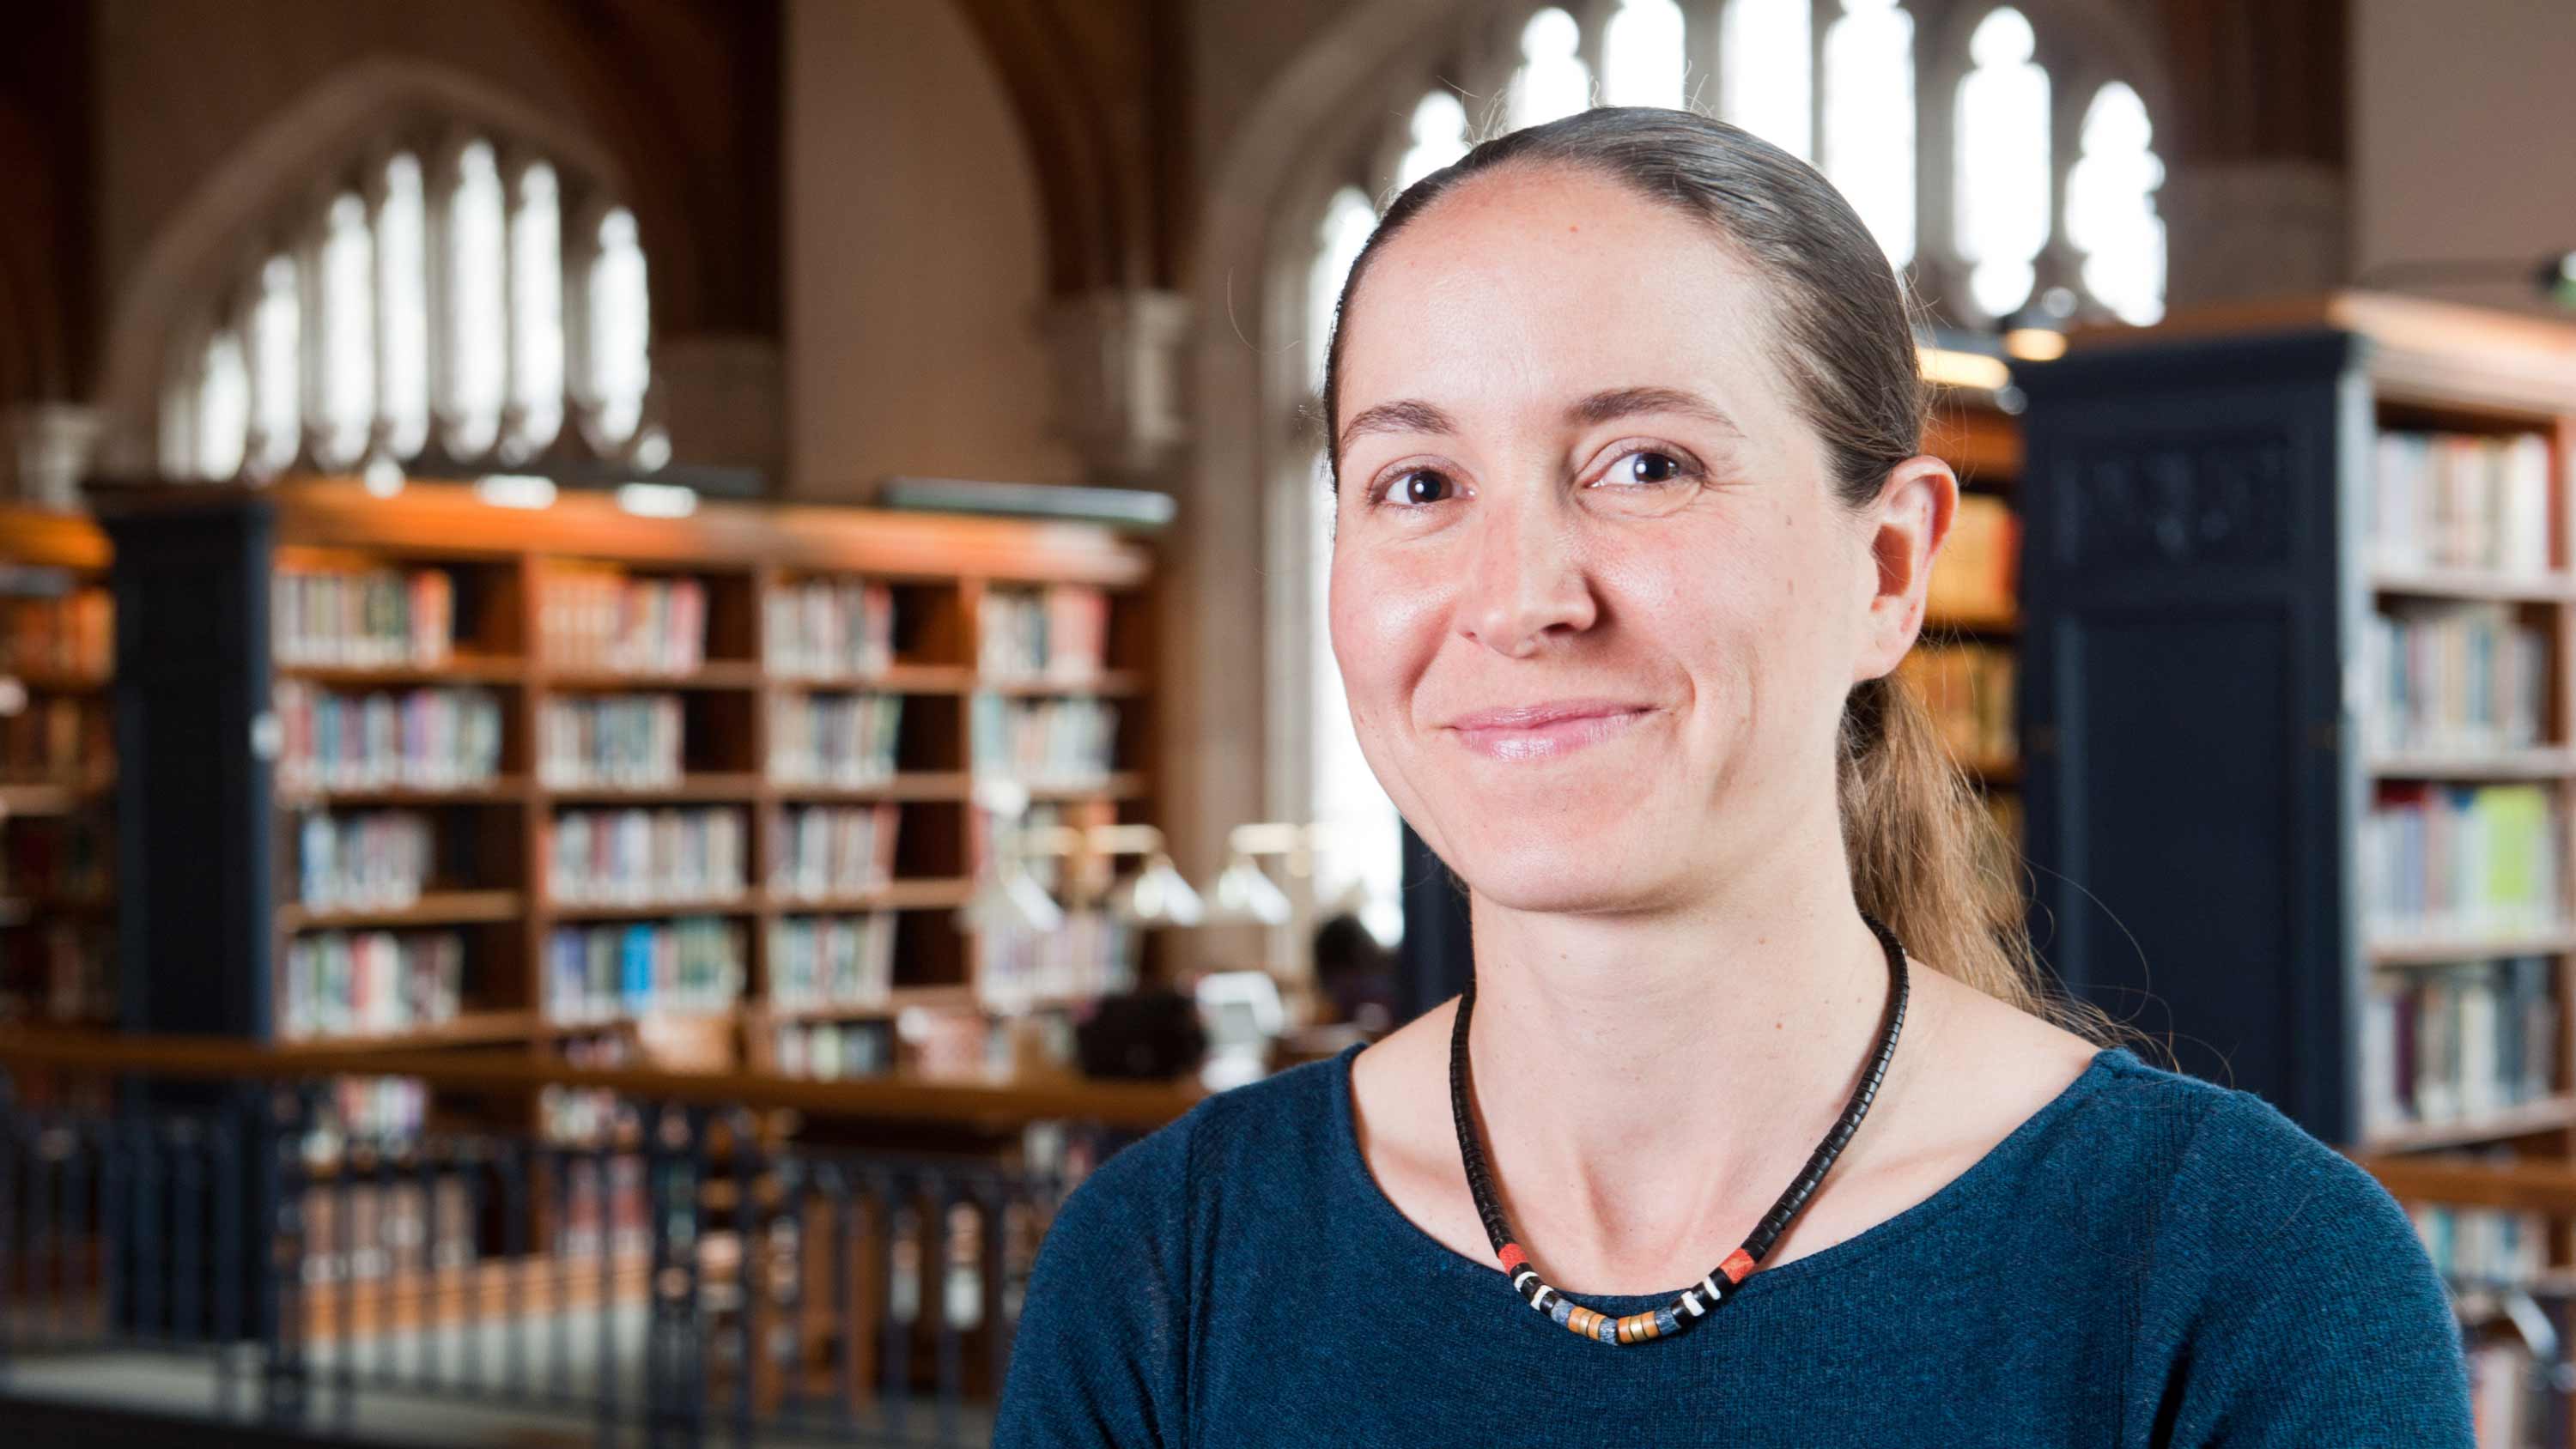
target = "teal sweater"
x: 2148, y: 1260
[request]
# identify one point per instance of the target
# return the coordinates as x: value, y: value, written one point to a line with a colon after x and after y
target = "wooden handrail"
x: 967, y: 1103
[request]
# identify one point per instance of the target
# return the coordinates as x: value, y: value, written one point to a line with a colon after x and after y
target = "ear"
x: 1905, y: 530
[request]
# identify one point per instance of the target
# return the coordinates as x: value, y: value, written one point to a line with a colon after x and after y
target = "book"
x: 833, y: 739
x: 624, y: 741
x: 615, y: 972
x: 600, y: 618
x: 367, y: 983
x: 429, y: 738
x: 825, y: 850
x: 673, y: 855
x: 828, y: 629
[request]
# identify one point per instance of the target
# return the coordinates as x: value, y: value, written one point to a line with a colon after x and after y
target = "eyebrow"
x: 1621, y: 402
x: 1412, y: 415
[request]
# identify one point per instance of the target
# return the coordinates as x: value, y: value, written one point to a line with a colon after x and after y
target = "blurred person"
x: 1355, y: 974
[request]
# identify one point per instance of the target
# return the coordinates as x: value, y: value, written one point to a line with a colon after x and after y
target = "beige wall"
x: 915, y: 261
x: 2463, y: 133
x: 183, y: 84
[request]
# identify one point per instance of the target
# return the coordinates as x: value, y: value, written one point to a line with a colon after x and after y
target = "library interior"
x: 666, y: 664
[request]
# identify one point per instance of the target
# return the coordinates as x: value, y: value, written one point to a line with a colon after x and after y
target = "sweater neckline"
x: 1437, y: 1257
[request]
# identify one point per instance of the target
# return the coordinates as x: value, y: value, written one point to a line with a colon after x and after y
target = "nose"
x: 1526, y: 581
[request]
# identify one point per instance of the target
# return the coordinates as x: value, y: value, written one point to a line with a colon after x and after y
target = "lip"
x: 1545, y: 730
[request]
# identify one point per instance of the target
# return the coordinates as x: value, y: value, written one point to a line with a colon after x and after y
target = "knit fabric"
x: 2150, y: 1259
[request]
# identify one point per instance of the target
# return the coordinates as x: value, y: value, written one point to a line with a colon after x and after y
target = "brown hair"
x: 1925, y: 856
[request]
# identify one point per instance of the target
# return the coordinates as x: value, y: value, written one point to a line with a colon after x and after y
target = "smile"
x: 1547, y: 739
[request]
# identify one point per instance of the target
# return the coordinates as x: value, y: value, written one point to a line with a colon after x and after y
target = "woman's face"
x: 1572, y: 482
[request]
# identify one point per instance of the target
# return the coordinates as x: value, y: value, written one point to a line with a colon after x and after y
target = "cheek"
x: 1384, y: 626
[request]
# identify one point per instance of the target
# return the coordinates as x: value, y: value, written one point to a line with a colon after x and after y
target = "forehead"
x: 1532, y: 285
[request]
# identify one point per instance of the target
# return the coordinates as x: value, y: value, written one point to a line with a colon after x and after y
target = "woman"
x: 1631, y: 528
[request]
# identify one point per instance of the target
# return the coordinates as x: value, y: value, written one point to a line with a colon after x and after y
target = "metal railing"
x: 229, y: 1246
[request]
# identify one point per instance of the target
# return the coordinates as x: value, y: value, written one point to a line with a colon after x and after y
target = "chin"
x: 1561, y: 870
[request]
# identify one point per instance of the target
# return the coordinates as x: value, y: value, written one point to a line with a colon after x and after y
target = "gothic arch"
x: 214, y: 234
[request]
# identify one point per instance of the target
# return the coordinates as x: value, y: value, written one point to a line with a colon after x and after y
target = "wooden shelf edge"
x: 458, y: 669
x: 2436, y: 951
x: 500, y: 790
x: 2511, y: 765
x: 2472, y: 584
x: 2544, y: 1115
x: 472, y: 1028
x: 430, y: 908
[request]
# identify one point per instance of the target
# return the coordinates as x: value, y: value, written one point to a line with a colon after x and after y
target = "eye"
x: 1413, y: 487
x: 1647, y: 468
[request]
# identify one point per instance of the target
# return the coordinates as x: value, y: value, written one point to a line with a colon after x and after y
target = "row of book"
x: 2457, y: 1042
x: 1068, y: 740
x: 2449, y: 861
x: 637, y: 856
x: 361, y: 619
x: 833, y: 739
x: 60, y: 971
x: 1059, y: 632
x: 372, y: 1109
x: 832, y: 1050
x: 362, y: 1231
x: 1968, y: 689
x: 602, y: 618
x: 431, y: 738
x: 2452, y: 678
x: 2461, y: 501
x: 828, y: 629
x: 614, y: 972
x: 831, y: 960
x: 623, y: 741
x: 365, y: 859
x: 606, y: 1211
x: 72, y: 633
x: 2485, y: 1247
x: 68, y: 855
x: 586, y: 1114
x: 1976, y: 578
x: 1092, y: 954
x: 366, y: 983
x: 827, y: 850
x: 57, y: 737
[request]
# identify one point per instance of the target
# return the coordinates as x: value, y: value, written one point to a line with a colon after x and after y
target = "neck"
x: 1648, y: 1083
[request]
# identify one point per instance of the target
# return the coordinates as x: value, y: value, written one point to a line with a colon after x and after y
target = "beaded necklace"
x: 1695, y: 1302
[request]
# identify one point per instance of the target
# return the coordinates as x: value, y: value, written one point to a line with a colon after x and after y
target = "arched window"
x: 1438, y: 135
x: 1869, y: 118
x: 2002, y: 163
x: 433, y: 304
x: 2111, y: 209
x: 1552, y: 80
x: 1766, y: 60
x: 1642, y: 55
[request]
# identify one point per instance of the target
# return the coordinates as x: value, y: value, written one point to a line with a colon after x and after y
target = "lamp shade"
x: 1157, y: 896
x: 1245, y: 895
x: 1010, y: 900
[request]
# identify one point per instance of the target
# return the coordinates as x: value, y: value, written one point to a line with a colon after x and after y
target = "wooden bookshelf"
x: 57, y: 906
x: 2303, y: 722
x: 1963, y: 666
x: 2220, y: 728
x: 580, y: 625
